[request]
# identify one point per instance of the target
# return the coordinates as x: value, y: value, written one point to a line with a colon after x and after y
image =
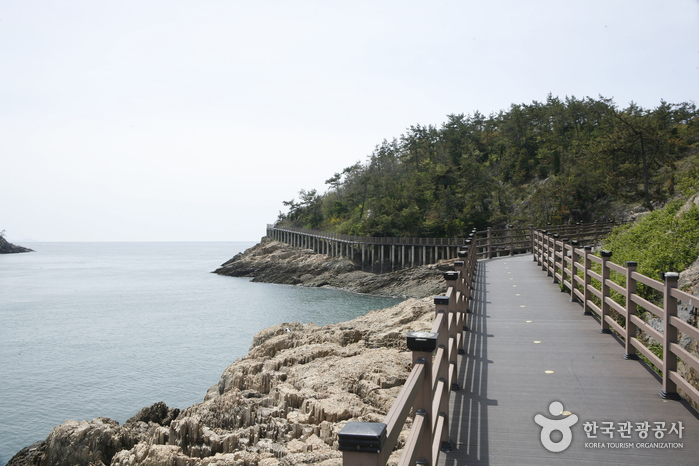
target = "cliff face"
x: 282, y: 404
x: 9, y: 248
x: 275, y: 262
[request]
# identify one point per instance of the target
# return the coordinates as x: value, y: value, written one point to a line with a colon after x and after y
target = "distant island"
x: 9, y: 248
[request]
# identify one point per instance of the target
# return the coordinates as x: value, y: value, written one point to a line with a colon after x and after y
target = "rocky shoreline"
x: 286, y: 400
x: 282, y: 404
x: 276, y: 262
x: 9, y: 248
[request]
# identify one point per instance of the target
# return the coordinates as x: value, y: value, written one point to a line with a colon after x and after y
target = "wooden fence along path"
x: 504, y: 348
x: 381, y: 254
x: 574, y: 267
x: 528, y: 346
x: 426, y: 391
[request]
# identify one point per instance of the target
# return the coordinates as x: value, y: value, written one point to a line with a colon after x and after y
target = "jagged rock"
x: 94, y: 442
x: 29, y: 456
x: 158, y: 413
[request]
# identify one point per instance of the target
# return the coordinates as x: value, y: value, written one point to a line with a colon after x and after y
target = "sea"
x: 105, y: 329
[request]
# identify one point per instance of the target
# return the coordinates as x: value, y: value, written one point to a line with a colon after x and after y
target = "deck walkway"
x: 521, y: 327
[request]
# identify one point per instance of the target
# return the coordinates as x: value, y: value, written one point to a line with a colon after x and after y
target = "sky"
x: 170, y: 120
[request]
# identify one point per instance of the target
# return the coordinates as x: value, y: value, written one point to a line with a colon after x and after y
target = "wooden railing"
x: 574, y: 267
x: 426, y: 391
x: 381, y: 254
x: 510, y: 241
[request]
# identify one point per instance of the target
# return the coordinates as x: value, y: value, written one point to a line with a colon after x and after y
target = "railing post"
x: 573, y: 270
x: 555, y: 257
x: 629, y: 349
x: 512, y: 240
x: 490, y: 245
x: 466, y: 275
x: 531, y: 242
x: 552, y: 272
x: 586, y: 291
x: 669, y: 391
x: 544, y: 250
x: 578, y: 225
x: 604, y: 325
x: 453, y: 322
x: 422, y: 345
x: 564, y: 254
x: 361, y: 443
x: 442, y: 306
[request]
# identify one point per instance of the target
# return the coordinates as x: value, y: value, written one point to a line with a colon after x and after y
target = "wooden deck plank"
x: 504, y: 383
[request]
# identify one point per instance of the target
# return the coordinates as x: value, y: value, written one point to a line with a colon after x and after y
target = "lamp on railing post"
x: 443, y: 372
x: 422, y: 345
x: 454, y: 323
x: 669, y: 391
x: 361, y: 443
x: 604, y: 306
x: 629, y: 349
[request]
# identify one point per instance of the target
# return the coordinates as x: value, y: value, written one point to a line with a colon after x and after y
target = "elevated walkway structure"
x: 529, y: 346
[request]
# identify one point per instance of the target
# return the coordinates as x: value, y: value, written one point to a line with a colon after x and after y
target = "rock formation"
x: 9, y: 248
x: 276, y: 262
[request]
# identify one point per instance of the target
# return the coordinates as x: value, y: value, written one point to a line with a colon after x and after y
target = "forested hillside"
x: 556, y: 161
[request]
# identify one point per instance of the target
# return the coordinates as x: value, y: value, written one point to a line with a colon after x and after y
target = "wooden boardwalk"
x: 521, y: 327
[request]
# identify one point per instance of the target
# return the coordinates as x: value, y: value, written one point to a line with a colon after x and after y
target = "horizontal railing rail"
x: 616, y: 302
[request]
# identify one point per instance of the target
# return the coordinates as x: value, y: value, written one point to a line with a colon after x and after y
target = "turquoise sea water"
x: 104, y: 329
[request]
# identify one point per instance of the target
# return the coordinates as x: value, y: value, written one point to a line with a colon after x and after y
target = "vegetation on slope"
x: 663, y: 241
x: 556, y: 161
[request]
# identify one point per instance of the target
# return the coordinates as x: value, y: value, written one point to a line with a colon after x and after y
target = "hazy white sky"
x: 168, y: 120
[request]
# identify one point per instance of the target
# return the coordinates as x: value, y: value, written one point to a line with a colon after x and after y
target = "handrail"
x: 426, y: 391
x: 390, y: 253
x: 581, y: 288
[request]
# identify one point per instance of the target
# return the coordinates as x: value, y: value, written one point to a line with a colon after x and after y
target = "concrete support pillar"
x: 363, y: 255
x: 381, y: 258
